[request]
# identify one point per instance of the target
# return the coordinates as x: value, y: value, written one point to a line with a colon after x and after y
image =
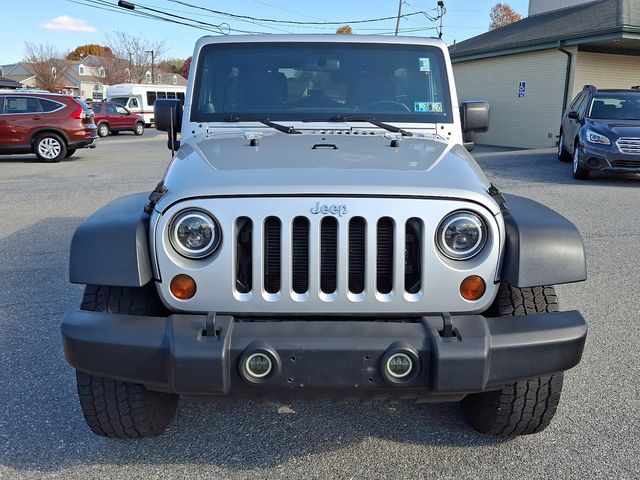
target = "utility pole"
x: 398, y: 19
x: 153, y: 78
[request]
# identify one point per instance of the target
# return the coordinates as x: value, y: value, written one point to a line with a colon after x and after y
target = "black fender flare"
x: 111, y: 247
x: 542, y: 247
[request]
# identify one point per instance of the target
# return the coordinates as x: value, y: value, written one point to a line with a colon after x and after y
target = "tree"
x: 184, y: 70
x: 502, y: 15
x: 344, y: 30
x: 171, y: 65
x: 134, y: 55
x: 47, y: 64
x: 90, y: 49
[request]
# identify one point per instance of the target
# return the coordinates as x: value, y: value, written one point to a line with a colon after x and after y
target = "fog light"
x: 593, y: 162
x: 258, y: 365
x: 399, y: 365
x: 183, y: 287
x: 472, y: 288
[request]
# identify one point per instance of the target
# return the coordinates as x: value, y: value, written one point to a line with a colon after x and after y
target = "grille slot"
x: 328, y: 255
x: 357, y: 254
x: 629, y: 144
x: 384, y: 255
x: 300, y: 255
x: 626, y: 163
x: 244, y: 261
x: 272, y: 247
x: 413, y: 255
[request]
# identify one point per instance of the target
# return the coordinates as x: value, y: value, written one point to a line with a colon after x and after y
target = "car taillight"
x: 79, y: 112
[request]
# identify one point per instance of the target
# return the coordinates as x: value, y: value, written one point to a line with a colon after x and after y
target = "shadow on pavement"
x: 509, y: 165
x: 42, y: 429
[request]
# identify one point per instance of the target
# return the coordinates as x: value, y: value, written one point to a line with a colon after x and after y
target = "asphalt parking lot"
x: 596, y: 433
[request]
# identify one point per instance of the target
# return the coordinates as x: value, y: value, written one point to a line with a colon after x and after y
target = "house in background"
x: 531, y: 69
x: 6, y: 83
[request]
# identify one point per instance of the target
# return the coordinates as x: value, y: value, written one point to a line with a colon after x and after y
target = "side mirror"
x: 474, y: 115
x: 167, y: 114
x: 573, y: 115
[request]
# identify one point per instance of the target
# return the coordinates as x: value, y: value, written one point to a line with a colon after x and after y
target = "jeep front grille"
x: 290, y: 253
x: 629, y: 145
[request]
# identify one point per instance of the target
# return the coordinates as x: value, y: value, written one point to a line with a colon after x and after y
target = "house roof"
x: 585, y: 21
x: 8, y: 83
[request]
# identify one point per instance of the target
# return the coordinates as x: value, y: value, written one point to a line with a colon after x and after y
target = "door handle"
x: 37, y: 117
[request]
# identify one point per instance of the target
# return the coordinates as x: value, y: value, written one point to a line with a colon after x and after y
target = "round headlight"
x: 194, y: 234
x: 461, y: 235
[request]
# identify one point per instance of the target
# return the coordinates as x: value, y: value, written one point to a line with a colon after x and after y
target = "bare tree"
x: 134, y: 55
x: 47, y: 64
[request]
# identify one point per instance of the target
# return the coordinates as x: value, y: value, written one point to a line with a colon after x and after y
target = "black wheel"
x: 70, y: 152
x: 49, y: 147
x: 563, y: 155
x: 139, y: 130
x: 523, y: 407
x: 580, y: 172
x: 103, y: 130
x: 113, y: 408
x: 115, y: 132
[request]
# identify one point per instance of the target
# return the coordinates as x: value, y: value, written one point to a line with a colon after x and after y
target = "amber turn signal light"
x: 183, y: 287
x: 472, y: 288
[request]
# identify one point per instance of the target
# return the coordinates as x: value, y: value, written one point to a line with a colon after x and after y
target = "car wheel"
x: 114, y: 408
x: 103, y: 130
x: 49, y: 147
x: 70, y: 152
x: 580, y: 172
x: 115, y: 132
x: 139, y: 130
x: 563, y: 155
x: 523, y: 407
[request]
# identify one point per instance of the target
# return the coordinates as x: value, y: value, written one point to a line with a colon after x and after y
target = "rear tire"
x: 103, y: 130
x: 139, y: 129
x: 113, y: 408
x: 523, y: 407
x: 563, y: 155
x: 49, y: 147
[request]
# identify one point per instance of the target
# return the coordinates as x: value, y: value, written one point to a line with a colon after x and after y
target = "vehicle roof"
x: 618, y: 90
x: 31, y: 92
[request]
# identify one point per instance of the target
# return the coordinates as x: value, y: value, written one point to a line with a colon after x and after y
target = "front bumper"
x: 608, y: 159
x: 200, y: 355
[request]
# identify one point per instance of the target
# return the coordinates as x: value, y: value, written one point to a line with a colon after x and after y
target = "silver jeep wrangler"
x: 322, y: 231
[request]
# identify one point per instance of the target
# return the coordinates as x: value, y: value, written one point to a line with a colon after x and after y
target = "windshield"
x: 623, y: 106
x: 119, y: 100
x: 320, y: 81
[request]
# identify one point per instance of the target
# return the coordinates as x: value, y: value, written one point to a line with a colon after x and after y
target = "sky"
x: 67, y: 24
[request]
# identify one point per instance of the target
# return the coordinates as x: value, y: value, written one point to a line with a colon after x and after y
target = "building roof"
x: 8, y: 83
x: 567, y: 25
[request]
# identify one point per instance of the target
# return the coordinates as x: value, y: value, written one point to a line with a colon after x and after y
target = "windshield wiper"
x: 264, y: 121
x: 373, y: 121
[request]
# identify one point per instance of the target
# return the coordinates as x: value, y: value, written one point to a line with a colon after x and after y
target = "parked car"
x: 600, y: 131
x: 113, y: 118
x: 322, y: 232
x: 50, y: 125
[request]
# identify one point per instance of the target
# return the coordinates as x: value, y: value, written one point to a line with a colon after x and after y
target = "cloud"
x: 65, y: 23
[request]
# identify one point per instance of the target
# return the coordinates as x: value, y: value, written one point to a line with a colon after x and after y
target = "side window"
x: 171, y: 94
x: 180, y: 95
x: 133, y: 103
x: 582, y: 105
x: 109, y: 109
x: 49, y: 106
x: 121, y: 109
x: 162, y: 94
x: 1, y: 105
x: 17, y: 105
x: 151, y: 98
x: 96, y: 107
x: 576, y: 101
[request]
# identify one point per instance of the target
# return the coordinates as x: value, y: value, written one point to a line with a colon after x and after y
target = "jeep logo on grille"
x: 325, y: 209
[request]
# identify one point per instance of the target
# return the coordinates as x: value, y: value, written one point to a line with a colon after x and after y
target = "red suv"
x: 51, y: 125
x: 113, y: 118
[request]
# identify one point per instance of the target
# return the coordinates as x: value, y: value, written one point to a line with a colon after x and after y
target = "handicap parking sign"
x: 522, y: 88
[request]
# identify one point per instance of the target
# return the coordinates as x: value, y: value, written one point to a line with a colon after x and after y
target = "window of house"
x: 148, y: 77
x: 101, y: 71
x: 174, y: 80
x: 81, y: 69
x: 159, y: 78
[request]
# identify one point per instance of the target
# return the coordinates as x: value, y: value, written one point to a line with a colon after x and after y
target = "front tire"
x: 139, y: 130
x: 523, y: 407
x: 563, y: 155
x: 49, y: 147
x: 113, y: 408
x: 580, y: 172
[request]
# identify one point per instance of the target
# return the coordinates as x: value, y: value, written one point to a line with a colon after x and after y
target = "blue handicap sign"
x: 522, y: 89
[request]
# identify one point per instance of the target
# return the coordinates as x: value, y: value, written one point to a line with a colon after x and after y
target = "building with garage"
x: 531, y: 69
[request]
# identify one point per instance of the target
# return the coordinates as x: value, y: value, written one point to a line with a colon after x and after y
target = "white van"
x: 140, y: 97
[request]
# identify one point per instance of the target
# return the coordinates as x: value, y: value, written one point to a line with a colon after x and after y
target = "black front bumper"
x: 608, y: 159
x: 200, y: 355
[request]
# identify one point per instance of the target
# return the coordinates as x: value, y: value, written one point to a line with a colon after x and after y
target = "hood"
x: 621, y: 128
x: 324, y: 165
